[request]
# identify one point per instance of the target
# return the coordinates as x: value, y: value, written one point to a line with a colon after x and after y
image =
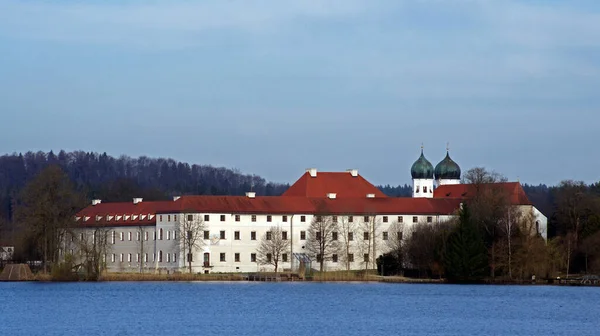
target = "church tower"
x: 447, y: 171
x: 422, y: 176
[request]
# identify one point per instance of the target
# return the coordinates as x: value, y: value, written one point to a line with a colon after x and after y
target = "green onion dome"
x: 447, y: 169
x: 422, y: 169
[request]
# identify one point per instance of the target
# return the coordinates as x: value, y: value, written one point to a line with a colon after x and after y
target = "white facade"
x: 441, y: 182
x: 232, y: 243
x: 422, y: 188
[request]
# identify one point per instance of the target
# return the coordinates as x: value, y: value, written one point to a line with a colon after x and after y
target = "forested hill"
x: 120, y: 179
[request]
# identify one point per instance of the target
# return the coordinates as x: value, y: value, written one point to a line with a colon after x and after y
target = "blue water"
x: 330, y: 309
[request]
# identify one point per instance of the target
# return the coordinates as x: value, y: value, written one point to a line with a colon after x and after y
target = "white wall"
x: 423, y: 188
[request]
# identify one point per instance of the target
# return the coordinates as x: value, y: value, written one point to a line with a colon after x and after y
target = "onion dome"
x: 447, y: 169
x: 422, y: 169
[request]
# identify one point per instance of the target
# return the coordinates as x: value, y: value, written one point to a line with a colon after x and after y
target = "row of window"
x: 284, y: 257
x: 236, y: 235
x: 170, y: 257
x: 284, y: 218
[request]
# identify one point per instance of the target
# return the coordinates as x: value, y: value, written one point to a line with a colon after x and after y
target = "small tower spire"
x: 447, y: 146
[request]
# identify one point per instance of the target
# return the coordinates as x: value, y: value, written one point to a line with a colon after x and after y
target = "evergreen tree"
x: 466, y: 255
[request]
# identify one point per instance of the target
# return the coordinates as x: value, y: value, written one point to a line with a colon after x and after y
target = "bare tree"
x: 371, y: 230
x: 480, y: 175
x: 92, y: 245
x: 190, y: 235
x: 347, y: 227
x: 323, y: 240
x: 395, y: 240
x: 142, y: 237
x: 272, y: 246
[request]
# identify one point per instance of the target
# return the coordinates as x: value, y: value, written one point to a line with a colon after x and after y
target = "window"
x: 269, y: 235
x: 319, y: 257
x: 366, y: 257
x: 128, y: 236
x: 252, y: 257
x: 236, y: 235
x: 365, y: 235
x: 400, y: 219
x: 318, y: 233
x: 168, y: 218
x: 206, y: 218
x: 168, y: 234
x: 137, y: 257
x: 113, y: 258
x: 350, y: 257
x: 160, y: 234
x: 318, y: 219
x: 138, y: 236
x: 174, y: 257
x: 385, y: 219
x: 175, y: 218
x: 237, y: 257
x: 153, y: 257
x: 253, y: 235
x: 145, y: 235
x: 417, y: 189
x: 190, y: 257
x: 154, y: 234
x: 303, y: 218
x: 415, y: 219
x: 429, y: 219
x: 190, y: 218
x: 253, y: 218
x: 160, y: 218
x: 350, y: 219
x: 284, y: 257
x: 334, y: 219
x: 222, y: 257
x: 537, y: 227
x: 334, y: 236
x: 424, y: 189
x: 385, y: 235
x: 206, y: 234
x: 284, y: 218
x: 113, y: 238
x: 350, y: 236
x: 129, y: 257
x: 269, y: 218
x: 146, y: 257
x: 284, y: 235
x: 334, y: 258
x: 366, y: 219
x: 399, y: 235
x: 222, y: 235
x: 302, y: 235
x: 237, y: 218
x: 174, y: 235
x: 268, y: 257
x: 121, y: 259
x: 168, y: 257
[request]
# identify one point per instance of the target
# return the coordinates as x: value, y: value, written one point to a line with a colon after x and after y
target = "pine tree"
x: 466, y: 255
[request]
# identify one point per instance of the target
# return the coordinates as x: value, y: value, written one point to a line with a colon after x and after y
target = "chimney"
x: 331, y: 195
x: 137, y: 200
x: 370, y: 195
x: 312, y: 172
x: 353, y: 172
x: 175, y: 198
x: 96, y: 201
x: 251, y: 194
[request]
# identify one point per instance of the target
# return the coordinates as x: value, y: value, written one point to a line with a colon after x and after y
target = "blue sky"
x: 274, y: 87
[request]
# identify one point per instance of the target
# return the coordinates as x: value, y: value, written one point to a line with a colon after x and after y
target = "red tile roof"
x: 343, y: 184
x: 263, y: 205
x: 464, y: 191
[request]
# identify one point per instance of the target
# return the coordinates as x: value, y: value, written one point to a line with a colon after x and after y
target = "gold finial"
x: 421, y: 146
x: 447, y: 146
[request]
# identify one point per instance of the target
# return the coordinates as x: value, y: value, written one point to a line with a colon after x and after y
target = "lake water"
x: 238, y: 308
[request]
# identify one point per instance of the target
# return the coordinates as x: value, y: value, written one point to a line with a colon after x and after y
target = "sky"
x: 274, y: 87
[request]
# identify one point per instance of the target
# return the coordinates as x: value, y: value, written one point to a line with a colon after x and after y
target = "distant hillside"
x: 120, y: 179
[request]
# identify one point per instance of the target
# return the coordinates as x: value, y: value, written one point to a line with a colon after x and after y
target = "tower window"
x: 424, y: 189
x: 417, y: 189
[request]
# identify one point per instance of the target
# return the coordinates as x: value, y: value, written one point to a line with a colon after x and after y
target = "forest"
x: 572, y: 207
